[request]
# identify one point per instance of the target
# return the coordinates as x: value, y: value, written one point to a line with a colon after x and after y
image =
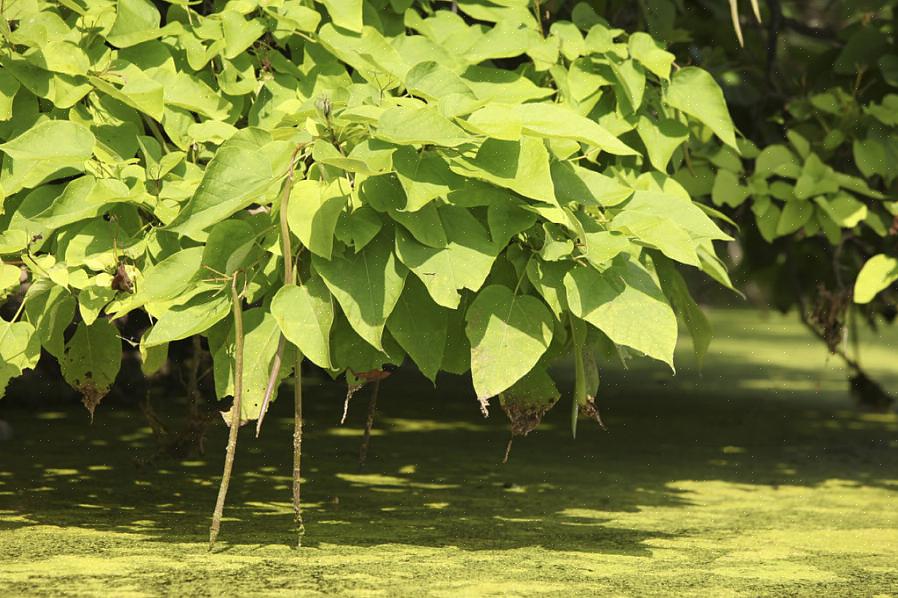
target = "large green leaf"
x: 652, y: 56
x: 136, y: 21
x: 83, y: 198
x: 420, y: 326
x: 661, y: 139
x: 193, y: 317
x: 626, y: 304
x: 313, y: 211
x: 237, y: 176
x: 674, y: 287
x: 260, y: 341
x: 52, y: 149
x: 345, y: 13
x: 50, y: 309
x: 657, y: 231
x: 305, y: 314
x: 522, y: 166
x: 19, y: 350
x: 508, y: 334
x: 695, y: 92
x: 366, y: 284
x: 424, y: 176
x: 878, y: 273
x: 403, y: 126
x: 91, y: 361
x: 464, y: 263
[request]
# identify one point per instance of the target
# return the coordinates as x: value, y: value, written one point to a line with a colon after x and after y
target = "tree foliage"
x: 471, y: 187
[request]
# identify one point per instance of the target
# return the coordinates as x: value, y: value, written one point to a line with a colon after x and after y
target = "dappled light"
x: 811, y: 483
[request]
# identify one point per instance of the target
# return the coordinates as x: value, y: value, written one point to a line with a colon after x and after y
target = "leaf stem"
x: 154, y: 129
x: 235, y: 414
x: 289, y: 278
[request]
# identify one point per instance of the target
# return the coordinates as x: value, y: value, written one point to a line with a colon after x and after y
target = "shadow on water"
x: 434, y: 476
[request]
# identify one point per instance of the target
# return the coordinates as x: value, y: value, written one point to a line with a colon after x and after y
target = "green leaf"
x: 313, y: 211
x: 419, y: 126
x: 227, y: 248
x: 555, y: 120
x: 795, y: 214
x: 878, y: 273
x: 136, y: 21
x: 9, y: 87
x: 661, y: 139
x: 195, y: 316
x: 51, y: 149
x: 352, y: 354
x: 366, y: 284
x: 83, y: 198
x: 425, y: 225
x: 631, y: 81
x: 260, y: 341
x: 695, y: 92
x: 152, y: 358
x: 658, y: 232
x: 548, y: 280
x: 424, y: 176
x: 651, y: 54
x: 166, y: 279
x: 522, y: 166
x: 627, y: 305
x: 585, y: 186
x: 139, y: 91
x: 508, y: 335
x: 50, y: 309
x: 603, y: 246
x: 844, y: 209
x: 305, y: 314
x: 464, y: 263
x: 678, y: 210
x: 19, y: 350
x: 420, y: 327
x: 507, y: 219
x: 677, y: 292
x: 61, y: 56
x: 728, y: 191
x: 239, y: 34
x: 499, y: 85
x: 235, y: 178
x: 345, y: 13
x: 91, y: 361
x: 9, y: 279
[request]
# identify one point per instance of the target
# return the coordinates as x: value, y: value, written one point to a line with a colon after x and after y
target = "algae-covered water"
x: 756, y: 478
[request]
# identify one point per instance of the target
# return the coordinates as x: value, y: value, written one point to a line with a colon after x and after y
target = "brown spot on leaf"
x: 591, y: 410
x: 524, y: 419
x: 91, y: 397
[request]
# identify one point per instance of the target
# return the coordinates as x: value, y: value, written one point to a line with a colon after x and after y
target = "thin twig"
x: 369, y: 423
x: 297, y: 450
x: 235, y: 414
x: 289, y: 278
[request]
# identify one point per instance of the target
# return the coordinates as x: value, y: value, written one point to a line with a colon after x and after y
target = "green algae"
x: 753, y: 478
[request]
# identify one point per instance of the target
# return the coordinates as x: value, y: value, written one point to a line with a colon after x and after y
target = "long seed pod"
x: 235, y: 414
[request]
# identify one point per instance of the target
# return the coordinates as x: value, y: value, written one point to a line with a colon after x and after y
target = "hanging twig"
x: 369, y: 424
x: 289, y: 278
x: 235, y: 414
